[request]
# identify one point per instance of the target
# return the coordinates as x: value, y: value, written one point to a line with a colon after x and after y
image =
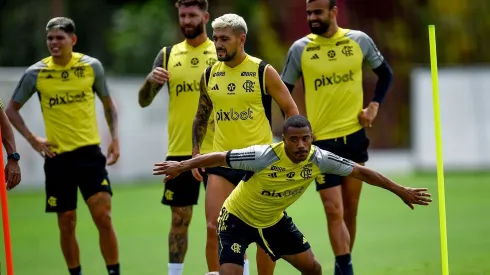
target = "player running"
x: 332, y: 100
x: 67, y: 84
x: 181, y: 65
x: 277, y: 176
x: 240, y: 89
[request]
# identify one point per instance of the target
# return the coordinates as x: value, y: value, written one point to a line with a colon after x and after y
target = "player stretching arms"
x: 334, y: 98
x: 67, y: 83
x: 240, y: 88
x: 277, y: 176
x: 181, y: 65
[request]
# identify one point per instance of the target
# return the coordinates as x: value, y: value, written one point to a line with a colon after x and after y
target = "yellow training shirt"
x: 241, y: 105
x: 332, y: 75
x: 67, y: 97
x: 274, y: 182
x: 185, y: 65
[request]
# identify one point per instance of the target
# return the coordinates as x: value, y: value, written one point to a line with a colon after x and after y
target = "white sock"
x: 246, y: 270
x: 175, y: 269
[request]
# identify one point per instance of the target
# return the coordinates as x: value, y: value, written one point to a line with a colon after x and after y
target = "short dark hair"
x: 332, y: 3
x: 296, y: 121
x: 202, y: 4
x: 61, y: 23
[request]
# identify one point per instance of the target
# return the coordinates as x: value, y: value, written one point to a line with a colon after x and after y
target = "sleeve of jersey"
x: 253, y: 158
x: 333, y: 164
x: 26, y: 86
x: 292, y: 69
x: 371, y: 53
x: 100, y: 84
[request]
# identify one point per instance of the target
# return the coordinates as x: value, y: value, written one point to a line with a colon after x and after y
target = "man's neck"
x: 62, y: 60
x: 240, y: 56
x: 290, y: 157
x: 196, y: 42
x: 332, y: 30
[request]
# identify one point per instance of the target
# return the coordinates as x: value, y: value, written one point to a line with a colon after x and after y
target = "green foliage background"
x: 126, y: 35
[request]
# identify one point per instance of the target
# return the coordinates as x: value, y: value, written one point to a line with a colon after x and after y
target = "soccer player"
x: 181, y: 65
x: 67, y: 83
x: 237, y: 91
x: 332, y: 100
x: 12, y: 169
x: 277, y: 175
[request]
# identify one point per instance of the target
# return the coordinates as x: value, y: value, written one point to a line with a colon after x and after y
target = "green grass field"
x: 392, y: 239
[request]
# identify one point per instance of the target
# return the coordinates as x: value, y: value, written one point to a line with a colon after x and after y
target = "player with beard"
x: 333, y: 101
x: 237, y: 92
x: 181, y: 66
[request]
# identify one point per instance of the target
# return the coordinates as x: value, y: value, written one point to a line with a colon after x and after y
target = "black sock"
x: 343, y: 265
x: 75, y: 271
x: 113, y: 269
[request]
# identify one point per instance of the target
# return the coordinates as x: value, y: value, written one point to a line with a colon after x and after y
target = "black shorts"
x: 184, y: 189
x: 353, y: 147
x: 232, y: 175
x: 234, y: 237
x: 82, y: 168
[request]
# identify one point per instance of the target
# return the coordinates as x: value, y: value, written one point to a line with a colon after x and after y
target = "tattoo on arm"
x: 200, y: 125
x: 110, y: 112
x: 148, y: 92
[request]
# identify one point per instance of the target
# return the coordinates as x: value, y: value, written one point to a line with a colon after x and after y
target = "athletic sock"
x: 75, y: 271
x: 343, y: 265
x: 246, y: 270
x: 175, y: 269
x: 113, y: 269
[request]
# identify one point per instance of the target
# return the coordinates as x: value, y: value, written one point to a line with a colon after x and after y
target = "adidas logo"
x: 215, y: 88
x: 178, y: 64
x: 49, y: 76
x: 315, y: 56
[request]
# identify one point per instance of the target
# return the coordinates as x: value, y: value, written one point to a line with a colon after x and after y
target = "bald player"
x: 330, y: 60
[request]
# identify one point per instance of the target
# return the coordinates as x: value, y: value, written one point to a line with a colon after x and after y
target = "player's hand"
x: 171, y: 169
x: 195, y: 172
x: 411, y: 196
x: 367, y: 115
x: 113, y: 152
x: 159, y: 75
x: 43, y: 146
x: 12, y: 174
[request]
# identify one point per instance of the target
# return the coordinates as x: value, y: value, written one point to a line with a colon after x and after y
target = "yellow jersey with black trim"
x: 241, y: 104
x: 332, y: 74
x: 185, y: 65
x: 67, y: 97
x: 274, y: 182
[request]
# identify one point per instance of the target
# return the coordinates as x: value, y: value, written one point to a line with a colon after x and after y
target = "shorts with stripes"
x: 234, y: 237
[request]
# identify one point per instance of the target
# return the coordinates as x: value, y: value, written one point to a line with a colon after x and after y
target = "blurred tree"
x: 22, y: 33
x: 140, y: 31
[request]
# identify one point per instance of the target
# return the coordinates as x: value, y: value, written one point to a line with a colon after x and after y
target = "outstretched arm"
x: 334, y: 164
x: 279, y: 92
x: 252, y: 158
x: 200, y: 124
